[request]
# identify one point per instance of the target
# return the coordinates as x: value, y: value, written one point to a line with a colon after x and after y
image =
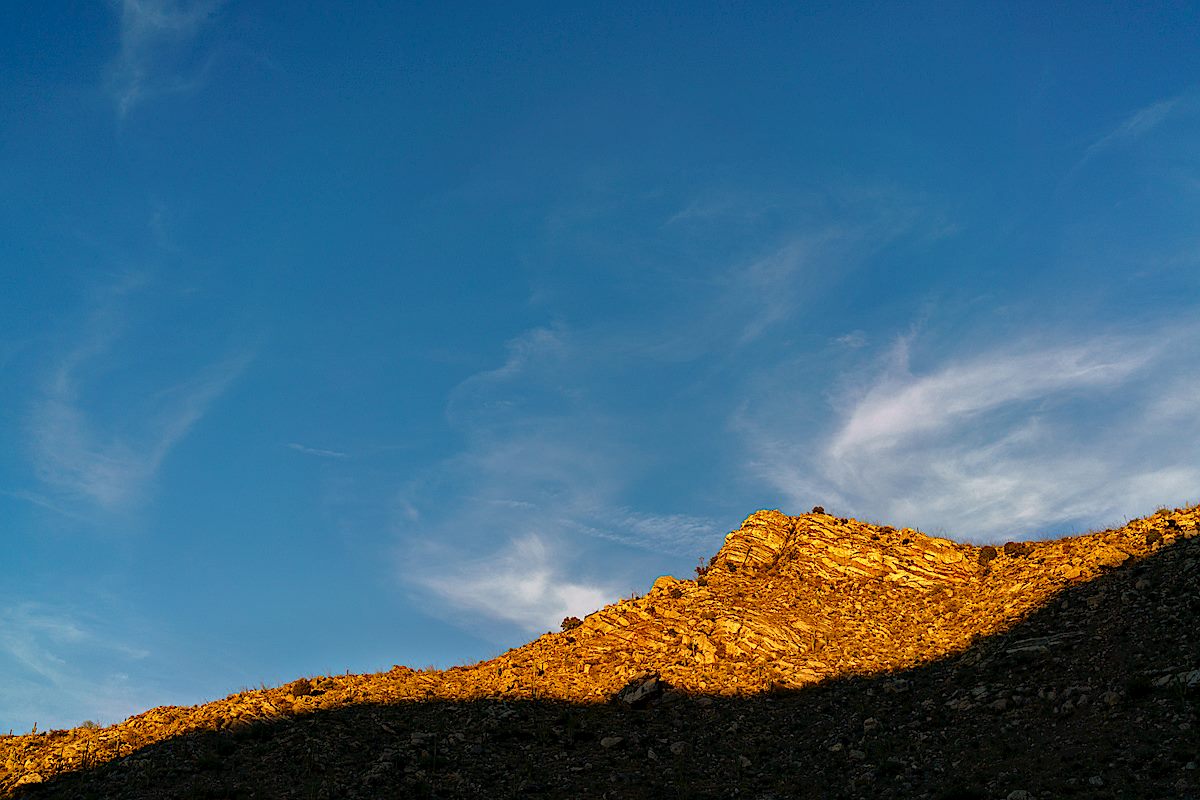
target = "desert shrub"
x: 1016, y: 548
x: 571, y: 623
x: 818, y: 510
x: 987, y: 555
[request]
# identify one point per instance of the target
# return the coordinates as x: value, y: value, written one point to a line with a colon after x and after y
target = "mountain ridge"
x: 786, y: 606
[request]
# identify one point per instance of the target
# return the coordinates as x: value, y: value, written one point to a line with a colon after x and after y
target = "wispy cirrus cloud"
x: 554, y: 451
x: 1133, y: 127
x: 900, y: 408
x: 103, y: 439
x: 154, y: 36
x: 59, y: 664
x: 316, y: 451
x: 1013, y: 440
x: 533, y: 497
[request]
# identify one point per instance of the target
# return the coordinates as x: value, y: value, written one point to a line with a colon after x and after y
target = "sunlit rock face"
x: 788, y: 602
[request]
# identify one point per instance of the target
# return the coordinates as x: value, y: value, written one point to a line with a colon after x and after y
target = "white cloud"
x: 150, y: 32
x: 900, y: 406
x: 524, y: 584
x: 1015, y: 441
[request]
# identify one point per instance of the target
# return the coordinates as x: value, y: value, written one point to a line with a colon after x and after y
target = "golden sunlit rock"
x: 788, y: 603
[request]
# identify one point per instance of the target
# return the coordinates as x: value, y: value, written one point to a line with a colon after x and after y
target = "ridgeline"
x: 816, y: 656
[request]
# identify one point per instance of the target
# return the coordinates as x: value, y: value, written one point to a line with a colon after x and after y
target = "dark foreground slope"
x: 1089, y: 689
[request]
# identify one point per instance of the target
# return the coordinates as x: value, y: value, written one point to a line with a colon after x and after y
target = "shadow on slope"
x: 1096, y: 694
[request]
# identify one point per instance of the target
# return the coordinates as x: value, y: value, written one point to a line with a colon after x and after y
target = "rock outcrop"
x: 824, y: 633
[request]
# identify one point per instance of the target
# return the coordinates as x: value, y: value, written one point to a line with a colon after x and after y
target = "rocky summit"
x: 815, y: 656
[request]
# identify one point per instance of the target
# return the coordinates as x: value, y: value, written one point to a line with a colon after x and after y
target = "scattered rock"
x: 642, y: 693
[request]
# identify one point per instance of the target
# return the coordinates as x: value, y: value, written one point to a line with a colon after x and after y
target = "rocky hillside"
x: 815, y: 657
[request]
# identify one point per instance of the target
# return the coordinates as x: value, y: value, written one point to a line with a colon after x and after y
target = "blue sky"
x: 333, y: 339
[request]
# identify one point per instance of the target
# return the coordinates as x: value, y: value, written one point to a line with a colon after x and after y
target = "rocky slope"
x: 815, y: 657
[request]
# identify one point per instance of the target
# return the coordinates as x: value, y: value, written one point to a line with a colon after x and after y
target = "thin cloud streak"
x: 110, y: 458
x: 316, y: 451
x: 57, y: 664
x: 149, y: 28
x: 89, y: 458
x: 1141, y: 122
x: 665, y: 533
x: 1133, y: 127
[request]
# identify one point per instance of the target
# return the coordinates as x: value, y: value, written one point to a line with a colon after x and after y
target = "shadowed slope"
x: 937, y: 669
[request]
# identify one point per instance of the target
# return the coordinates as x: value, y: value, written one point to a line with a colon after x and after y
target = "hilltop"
x: 816, y: 656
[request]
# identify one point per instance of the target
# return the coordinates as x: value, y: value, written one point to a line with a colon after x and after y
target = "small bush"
x: 818, y: 510
x: 1017, y: 548
x: 987, y: 555
x: 571, y: 623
